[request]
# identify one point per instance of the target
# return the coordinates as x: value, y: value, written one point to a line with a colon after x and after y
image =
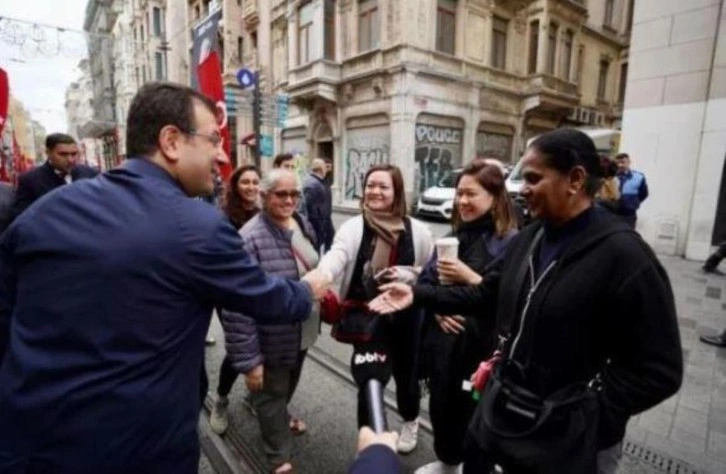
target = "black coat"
x: 478, y: 247
x: 319, y: 208
x: 34, y: 184
x: 607, y: 307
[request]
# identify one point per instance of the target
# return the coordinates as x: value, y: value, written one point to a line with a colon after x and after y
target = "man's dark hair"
x: 156, y: 105
x: 54, y: 139
x: 281, y: 158
x: 622, y: 156
x: 566, y: 148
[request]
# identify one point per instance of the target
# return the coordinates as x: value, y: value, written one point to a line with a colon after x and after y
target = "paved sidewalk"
x: 691, y: 426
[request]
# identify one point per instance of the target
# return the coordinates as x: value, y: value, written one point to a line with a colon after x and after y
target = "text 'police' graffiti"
x: 438, y: 153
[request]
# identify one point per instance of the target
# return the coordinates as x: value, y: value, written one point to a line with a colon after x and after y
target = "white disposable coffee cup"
x: 447, y: 247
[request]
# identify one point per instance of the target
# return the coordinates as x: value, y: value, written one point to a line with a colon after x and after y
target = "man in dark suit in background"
x: 60, y: 169
x: 319, y: 204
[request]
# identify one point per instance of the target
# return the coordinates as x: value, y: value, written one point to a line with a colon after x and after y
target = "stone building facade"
x: 674, y: 126
x: 429, y: 84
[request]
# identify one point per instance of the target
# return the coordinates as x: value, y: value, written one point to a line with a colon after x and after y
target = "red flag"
x: 4, y: 98
x: 209, y: 73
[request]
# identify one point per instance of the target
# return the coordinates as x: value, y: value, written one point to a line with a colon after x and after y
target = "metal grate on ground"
x: 660, y: 462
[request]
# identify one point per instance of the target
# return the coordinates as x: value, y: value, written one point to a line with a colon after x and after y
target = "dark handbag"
x: 357, y: 324
x: 512, y: 423
x: 514, y: 426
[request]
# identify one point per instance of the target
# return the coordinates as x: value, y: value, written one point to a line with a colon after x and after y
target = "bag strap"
x: 299, y: 257
x: 507, y: 308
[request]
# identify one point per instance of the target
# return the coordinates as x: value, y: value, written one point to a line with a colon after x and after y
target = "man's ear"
x: 170, y: 139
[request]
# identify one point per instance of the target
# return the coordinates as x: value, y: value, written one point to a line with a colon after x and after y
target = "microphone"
x: 374, y: 402
x: 371, y: 370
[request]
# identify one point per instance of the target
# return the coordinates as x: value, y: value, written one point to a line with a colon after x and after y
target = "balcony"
x: 315, y: 79
x: 549, y: 92
x: 250, y: 13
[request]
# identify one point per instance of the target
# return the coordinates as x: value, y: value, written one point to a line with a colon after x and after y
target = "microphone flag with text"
x: 371, y: 369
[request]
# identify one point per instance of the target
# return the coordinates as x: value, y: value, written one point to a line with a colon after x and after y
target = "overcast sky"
x: 40, y: 80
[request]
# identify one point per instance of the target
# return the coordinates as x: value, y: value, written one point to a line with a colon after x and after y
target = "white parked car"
x: 438, y: 201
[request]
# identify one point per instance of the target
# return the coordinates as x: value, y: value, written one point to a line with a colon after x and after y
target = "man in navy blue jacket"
x: 106, y: 291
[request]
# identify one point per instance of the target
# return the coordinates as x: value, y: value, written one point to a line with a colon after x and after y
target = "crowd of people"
x: 107, y: 288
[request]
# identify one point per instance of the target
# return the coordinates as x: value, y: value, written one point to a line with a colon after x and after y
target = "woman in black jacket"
x: 587, y: 315
x: 484, y: 224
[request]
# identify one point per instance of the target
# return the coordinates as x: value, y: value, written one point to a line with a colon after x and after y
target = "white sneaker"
x: 218, y: 420
x: 408, y: 438
x: 437, y: 467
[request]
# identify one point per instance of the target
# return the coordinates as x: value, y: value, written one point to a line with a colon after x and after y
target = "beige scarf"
x: 388, y: 227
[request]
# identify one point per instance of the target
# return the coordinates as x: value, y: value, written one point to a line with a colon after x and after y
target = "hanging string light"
x: 35, y: 40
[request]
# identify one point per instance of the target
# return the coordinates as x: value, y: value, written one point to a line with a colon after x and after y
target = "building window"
x: 602, y: 82
x: 533, y: 46
x: 141, y: 29
x: 446, y: 26
x: 159, y: 66
x: 580, y: 59
x: 158, y: 29
x: 240, y: 49
x: 623, y: 82
x: 305, y: 33
x: 499, y: 42
x: 329, y: 30
x: 197, y: 12
x: 609, y: 11
x: 143, y: 74
x: 567, y: 54
x: 551, y: 48
x: 206, y: 7
x: 368, y: 32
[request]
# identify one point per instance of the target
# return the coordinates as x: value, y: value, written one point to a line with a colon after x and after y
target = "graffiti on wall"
x: 438, y: 153
x: 366, y: 147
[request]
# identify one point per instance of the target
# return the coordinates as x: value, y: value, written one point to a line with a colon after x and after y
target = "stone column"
x: 542, y: 48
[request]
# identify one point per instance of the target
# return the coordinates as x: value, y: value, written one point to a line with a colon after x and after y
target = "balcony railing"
x: 250, y: 12
x: 544, y: 82
x: 321, y: 70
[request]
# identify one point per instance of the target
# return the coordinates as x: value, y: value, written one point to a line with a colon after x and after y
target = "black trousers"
x: 227, y: 377
x: 450, y: 407
x: 715, y: 258
x: 396, y: 337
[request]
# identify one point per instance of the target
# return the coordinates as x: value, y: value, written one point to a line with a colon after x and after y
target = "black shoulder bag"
x: 512, y: 426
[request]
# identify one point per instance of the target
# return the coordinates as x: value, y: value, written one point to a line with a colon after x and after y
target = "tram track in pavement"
x: 232, y: 454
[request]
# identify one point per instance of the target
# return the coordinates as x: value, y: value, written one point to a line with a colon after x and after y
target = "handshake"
x: 393, y: 297
x: 319, y: 281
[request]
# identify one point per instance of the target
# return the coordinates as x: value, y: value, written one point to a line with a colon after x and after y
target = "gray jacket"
x: 248, y: 343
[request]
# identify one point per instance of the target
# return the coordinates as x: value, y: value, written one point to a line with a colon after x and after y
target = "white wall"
x: 674, y: 126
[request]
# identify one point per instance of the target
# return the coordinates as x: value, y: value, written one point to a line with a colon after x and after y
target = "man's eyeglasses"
x: 214, y: 138
x: 294, y: 195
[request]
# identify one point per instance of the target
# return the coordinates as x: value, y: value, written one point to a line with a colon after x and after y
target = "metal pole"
x: 257, y: 120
